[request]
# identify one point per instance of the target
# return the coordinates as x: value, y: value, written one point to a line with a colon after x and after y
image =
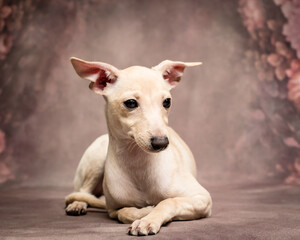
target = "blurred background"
x: 239, y: 111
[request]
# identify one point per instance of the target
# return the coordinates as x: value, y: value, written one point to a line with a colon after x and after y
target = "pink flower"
x: 2, y: 141
x: 253, y: 14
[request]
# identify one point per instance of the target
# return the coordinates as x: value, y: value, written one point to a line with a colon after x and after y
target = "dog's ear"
x: 100, y: 74
x: 173, y: 71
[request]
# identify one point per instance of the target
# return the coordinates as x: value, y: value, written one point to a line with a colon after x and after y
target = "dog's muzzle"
x: 159, y: 143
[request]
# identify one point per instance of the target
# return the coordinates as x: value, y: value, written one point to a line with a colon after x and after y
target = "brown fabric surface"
x: 239, y: 212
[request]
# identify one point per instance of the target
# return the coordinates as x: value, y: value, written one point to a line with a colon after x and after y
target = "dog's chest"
x: 140, y: 184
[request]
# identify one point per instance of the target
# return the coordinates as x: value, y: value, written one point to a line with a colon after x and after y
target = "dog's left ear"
x: 173, y: 71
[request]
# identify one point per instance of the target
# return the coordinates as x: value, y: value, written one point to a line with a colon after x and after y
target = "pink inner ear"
x: 173, y: 74
x: 102, y: 80
x: 90, y: 71
x: 85, y: 69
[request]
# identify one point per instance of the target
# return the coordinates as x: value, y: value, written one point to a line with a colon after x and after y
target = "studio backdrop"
x: 239, y: 111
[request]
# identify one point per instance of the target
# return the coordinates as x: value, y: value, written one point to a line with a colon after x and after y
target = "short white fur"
x: 142, y: 186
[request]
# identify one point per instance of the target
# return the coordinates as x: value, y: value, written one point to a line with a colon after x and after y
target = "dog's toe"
x: 143, y: 227
x: 76, y: 208
x: 73, y: 213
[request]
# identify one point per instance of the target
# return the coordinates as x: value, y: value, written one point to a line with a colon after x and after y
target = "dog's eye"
x: 167, y: 103
x: 131, y: 104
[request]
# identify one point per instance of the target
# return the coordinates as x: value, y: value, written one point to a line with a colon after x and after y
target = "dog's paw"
x: 143, y: 227
x: 76, y: 208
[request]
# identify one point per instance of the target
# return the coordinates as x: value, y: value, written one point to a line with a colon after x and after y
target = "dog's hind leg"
x: 88, y: 179
x: 77, y: 203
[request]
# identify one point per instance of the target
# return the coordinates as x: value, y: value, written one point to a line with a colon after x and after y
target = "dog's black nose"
x: 159, y: 143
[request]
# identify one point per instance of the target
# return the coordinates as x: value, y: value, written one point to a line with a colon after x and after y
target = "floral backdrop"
x: 241, y: 119
x: 273, y: 53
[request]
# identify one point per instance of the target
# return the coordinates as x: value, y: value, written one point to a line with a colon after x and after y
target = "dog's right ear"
x: 100, y: 74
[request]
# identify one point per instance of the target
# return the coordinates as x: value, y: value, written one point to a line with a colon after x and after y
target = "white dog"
x: 144, y: 169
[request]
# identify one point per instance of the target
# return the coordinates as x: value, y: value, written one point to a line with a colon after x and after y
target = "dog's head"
x: 138, y: 98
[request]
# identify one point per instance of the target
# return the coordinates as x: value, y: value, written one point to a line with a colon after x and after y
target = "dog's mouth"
x: 154, y: 150
x: 150, y: 149
x: 153, y: 145
x: 158, y: 150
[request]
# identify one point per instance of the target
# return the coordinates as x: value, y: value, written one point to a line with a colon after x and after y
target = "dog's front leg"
x: 178, y: 208
x: 130, y: 214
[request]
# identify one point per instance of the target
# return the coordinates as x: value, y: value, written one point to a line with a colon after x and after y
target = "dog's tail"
x: 90, y: 199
